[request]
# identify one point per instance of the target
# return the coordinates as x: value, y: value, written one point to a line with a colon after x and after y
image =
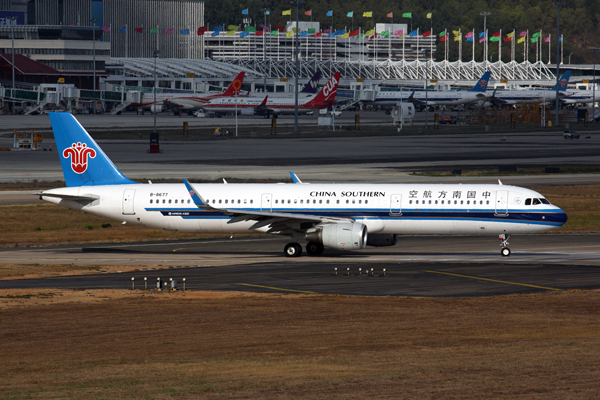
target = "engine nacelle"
x: 340, y: 236
x: 247, y: 111
x: 156, y: 108
x: 382, y: 240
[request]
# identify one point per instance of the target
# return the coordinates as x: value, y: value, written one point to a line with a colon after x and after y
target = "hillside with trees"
x: 579, y: 20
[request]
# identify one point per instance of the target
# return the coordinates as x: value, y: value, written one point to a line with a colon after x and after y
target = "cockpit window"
x: 528, y: 202
x: 536, y: 202
x: 544, y: 201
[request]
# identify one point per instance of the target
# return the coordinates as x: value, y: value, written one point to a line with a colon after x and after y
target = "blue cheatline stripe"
x: 534, y: 218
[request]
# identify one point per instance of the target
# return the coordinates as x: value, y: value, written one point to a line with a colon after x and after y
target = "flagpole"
x: 550, y: 48
x: 562, y: 41
x: 459, y: 45
x: 500, y: 51
x: 188, y: 42
x: 473, y: 37
x: 526, y: 47
x: 110, y: 38
x: 157, y: 35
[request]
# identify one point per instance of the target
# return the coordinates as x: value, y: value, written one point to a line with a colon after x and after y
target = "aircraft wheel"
x: 505, y: 252
x: 314, y: 249
x: 292, y: 250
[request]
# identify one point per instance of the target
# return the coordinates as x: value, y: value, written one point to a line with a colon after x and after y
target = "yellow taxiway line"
x: 276, y: 288
x: 492, y: 280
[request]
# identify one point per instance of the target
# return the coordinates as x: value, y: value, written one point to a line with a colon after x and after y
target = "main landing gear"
x: 295, y: 250
x: 505, y: 250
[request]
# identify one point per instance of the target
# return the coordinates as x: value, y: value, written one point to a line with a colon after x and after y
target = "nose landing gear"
x: 505, y: 250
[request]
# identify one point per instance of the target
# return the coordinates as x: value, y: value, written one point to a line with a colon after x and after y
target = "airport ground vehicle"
x: 571, y: 135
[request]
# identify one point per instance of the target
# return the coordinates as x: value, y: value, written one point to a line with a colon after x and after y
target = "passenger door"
x: 502, y: 203
x: 128, y: 202
x: 265, y: 202
x: 396, y: 204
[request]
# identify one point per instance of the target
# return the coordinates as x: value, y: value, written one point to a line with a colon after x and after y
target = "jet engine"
x: 382, y: 240
x: 340, y: 236
x: 156, y: 108
x: 247, y: 111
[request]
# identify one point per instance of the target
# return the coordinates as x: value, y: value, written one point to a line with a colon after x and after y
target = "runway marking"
x: 492, y: 280
x: 276, y: 288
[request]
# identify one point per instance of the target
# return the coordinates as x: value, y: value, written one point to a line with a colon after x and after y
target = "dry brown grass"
x: 582, y: 204
x: 127, y: 344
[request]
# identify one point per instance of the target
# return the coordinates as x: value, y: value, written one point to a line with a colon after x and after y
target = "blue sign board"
x: 5, y: 14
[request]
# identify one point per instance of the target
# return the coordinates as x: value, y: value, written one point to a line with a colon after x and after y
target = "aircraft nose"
x: 561, y: 216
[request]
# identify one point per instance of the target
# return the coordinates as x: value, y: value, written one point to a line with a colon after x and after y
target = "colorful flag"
x: 350, y: 14
x: 428, y: 15
x: 287, y: 12
x: 274, y: 32
x: 202, y: 30
x: 457, y: 38
x: 329, y: 13
x: 354, y: 33
x: 289, y: 34
x: 428, y: 33
x: 523, y: 33
x: 521, y: 40
x: 268, y: 12
x: 311, y: 31
x: 370, y: 33
x: 495, y: 39
x: 154, y: 31
x: 508, y: 39
x: 534, y: 39
x: 245, y: 11
x: 232, y: 27
x: 106, y: 28
x: 536, y: 35
x: 560, y: 38
x: 385, y: 34
x: 280, y: 28
x: 260, y: 33
x: 308, y: 13
x: 496, y: 33
x: 399, y: 32
x: 442, y: 33
x: 244, y: 34
x: 230, y: 33
x: 482, y: 40
x: 414, y: 33
x: 469, y: 34
x: 547, y: 40
x: 326, y: 31
x: 444, y: 38
x: 407, y: 15
x: 123, y: 29
x: 169, y: 31
x: 368, y: 14
x: 456, y: 33
x: 304, y: 34
x: 250, y: 28
x: 482, y: 34
x: 470, y: 39
x: 340, y: 32
x: 510, y: 35
x: 345, y: 36
x: 390, y: 15
x: 318, y: 34
x: 187, y: 32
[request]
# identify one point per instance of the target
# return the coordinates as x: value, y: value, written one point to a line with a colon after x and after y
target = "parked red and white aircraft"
x: 188, y: 101
x: 275, y: 106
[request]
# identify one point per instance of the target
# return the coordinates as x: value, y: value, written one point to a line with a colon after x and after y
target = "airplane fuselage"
x: 382, y: 208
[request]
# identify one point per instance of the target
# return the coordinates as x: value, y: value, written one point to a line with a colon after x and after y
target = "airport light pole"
x: 595, y: 50
x: 297, y: 3
x: 265, y: 11
x: 13, y: 20
x: 484, y: 14
x: 93, y: 21
x: 426, y: 90
x: 558, y: 4
x: 155, y: 55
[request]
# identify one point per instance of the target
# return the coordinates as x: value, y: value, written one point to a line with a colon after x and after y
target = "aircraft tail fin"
x: 236, y: 85
x: 482, y: 83
x: 327, y: 94
x: 83, y: 161
x: 563, y: 82
x: 313, y: 84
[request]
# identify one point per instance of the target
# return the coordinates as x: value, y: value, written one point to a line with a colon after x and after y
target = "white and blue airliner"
x: 336, y: 216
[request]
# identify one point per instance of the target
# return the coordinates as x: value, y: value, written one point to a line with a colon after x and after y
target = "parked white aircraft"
x: 512, y: 97
x: 268, y: 106
x: 188, y: 101
x: 437, y: 97
x: 337, y: 216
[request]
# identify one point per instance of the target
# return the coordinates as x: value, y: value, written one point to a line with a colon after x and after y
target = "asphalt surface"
x: 417, y: 266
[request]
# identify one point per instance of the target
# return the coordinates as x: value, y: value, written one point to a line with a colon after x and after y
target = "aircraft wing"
x: 276, y: 222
